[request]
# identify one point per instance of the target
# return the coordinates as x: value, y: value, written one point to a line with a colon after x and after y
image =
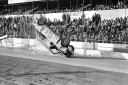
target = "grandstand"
x: 40, y: 5
x: 26, y: 7
x: 96, y: 27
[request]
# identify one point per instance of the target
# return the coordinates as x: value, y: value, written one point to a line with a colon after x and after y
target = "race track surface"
x: 26, y: 67
x: 108, y: 64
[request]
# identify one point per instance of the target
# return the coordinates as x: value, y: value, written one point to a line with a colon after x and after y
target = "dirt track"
x: 17, y: 71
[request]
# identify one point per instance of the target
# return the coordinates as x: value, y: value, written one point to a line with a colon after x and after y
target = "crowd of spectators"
x: 119, y: 5
x: 97, y: 30
x: 93, y: 30
x: 37, y: 11
x: 17, y: 27
x: 110, y: 31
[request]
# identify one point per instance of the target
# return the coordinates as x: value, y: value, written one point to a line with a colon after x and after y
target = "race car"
x: 53, y: 40
x: 68, y: 50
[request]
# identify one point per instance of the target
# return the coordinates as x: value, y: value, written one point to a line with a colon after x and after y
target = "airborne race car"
x: 53, y: 40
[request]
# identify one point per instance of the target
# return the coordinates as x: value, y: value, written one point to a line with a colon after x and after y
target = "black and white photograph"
x: 63, y: 42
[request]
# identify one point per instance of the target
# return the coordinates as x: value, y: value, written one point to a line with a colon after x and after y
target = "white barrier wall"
x: 105, y: 14
x: 98, y: 46
x: 32, y: 44
x: 24, y: 43
x: 79, y: 48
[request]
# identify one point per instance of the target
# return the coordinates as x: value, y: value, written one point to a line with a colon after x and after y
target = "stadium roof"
x: 23, y: 1
x: 3, y: 2
x: 93, y: 2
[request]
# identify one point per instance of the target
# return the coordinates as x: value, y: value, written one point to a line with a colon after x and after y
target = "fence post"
x: 94, y: 45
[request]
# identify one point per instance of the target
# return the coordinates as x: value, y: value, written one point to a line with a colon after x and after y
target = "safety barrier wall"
x: 17, y: 42
x: 101, y: 50
x: 105, y: 14
x: 24, y: 43
x: 106, y: 54
x: 80, y: 48
x: 98, y: 46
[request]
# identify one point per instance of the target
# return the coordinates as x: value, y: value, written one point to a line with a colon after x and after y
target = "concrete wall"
x: 24, y: 43
x: 99, y: 46
x: 80, y: 48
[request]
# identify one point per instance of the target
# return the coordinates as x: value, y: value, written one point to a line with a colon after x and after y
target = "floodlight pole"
x: 33, y: 3
x: 70, y: 4
x: 76, y: 4
x: 47, y: 5
x: 82, y: 21
x: 58, y: 5
x: 125, y: 7
x: 35, y: 31
x: 106, y: 2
